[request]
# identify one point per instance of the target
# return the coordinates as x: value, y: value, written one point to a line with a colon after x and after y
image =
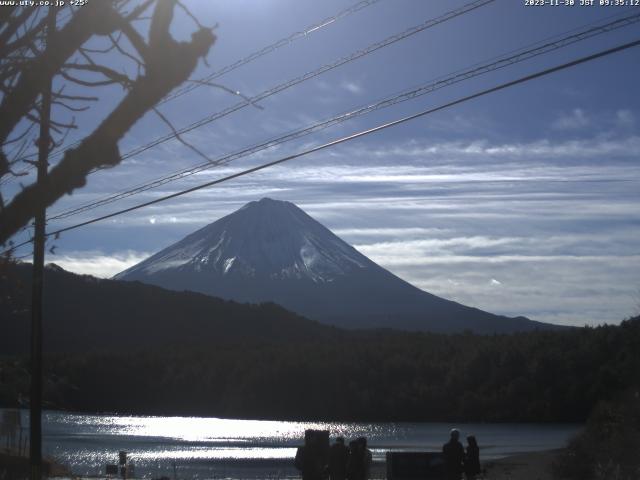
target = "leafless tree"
x: 85, y: 53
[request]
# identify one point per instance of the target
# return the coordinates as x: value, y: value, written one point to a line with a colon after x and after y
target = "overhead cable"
x: 407, y: 95
x: 354, y: 136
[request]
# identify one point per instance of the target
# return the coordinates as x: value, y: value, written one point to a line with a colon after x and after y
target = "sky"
x: 522, y: 202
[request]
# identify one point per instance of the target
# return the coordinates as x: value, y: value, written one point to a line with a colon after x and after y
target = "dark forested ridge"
x: 84, y: 313
x: 291, y: 368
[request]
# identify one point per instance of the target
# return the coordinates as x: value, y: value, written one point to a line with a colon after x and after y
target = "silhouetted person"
x: 299, y: 460
x: 353, y: 460
x: 472, y: 458
x: 360, y: 458
x: 453, y: 456
x: 308, y: 458
x: 338, y: 457
x: 367, y: 458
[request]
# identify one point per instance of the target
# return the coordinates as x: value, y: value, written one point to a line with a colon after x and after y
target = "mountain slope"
x: 273, y: 251
x: 84, y: 313
x: 266, y: 239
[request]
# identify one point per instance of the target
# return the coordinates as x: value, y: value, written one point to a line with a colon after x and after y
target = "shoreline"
x: 522, y: 466
x: 16, y: 465
x: 534, y: 465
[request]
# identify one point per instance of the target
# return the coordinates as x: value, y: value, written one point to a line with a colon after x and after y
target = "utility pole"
x: 44, y: 143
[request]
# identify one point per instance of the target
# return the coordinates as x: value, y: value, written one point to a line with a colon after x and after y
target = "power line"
x: 519, y: 56
x: 271, y: 48
x: 232, y: 66
x: 347, y: 138
x: 313, y: 73
x: 309, y: 75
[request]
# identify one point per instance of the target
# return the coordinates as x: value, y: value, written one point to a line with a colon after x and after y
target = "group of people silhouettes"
x: 349, y: 463
x: 458, y: 460
x: 316, y: 460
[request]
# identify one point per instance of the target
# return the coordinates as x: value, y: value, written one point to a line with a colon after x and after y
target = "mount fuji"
x: 272, y: 251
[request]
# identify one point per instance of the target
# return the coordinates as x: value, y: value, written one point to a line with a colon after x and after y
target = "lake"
x: 194, y: 448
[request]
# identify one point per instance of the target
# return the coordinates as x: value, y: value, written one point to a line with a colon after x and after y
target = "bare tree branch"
x: 115, y: 42
x: 190, y: 15
x: 20, y: 136
x: 86, y: 83
x: 139, y: 10
x: 69, y: 107
x: 229, y: 90
x: 179, y: 137
x: 136, y: 40
x: 64, y: 125
x: 168, y: 63
x: 92, y: 19
x: 13, y: 24
x: 78, y: 98
x: 111, y: 74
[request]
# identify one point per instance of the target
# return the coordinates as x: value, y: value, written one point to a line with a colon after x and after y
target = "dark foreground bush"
x: 609, y: 446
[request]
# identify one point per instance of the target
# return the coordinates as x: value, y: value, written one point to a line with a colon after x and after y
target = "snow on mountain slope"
x: 271, y: 250
x: 268, y: 238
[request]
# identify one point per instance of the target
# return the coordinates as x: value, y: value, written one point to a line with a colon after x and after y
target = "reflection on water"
x: 222, y: 448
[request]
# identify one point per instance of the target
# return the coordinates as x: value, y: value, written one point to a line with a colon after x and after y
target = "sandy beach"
x: 526, y: 466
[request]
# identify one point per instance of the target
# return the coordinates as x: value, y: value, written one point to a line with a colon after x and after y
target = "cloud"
x: 389, y: 232
x: 486, y: 151
x: 97, y: 263
x: 413, y: 251
x: 352, y: 87
x: 546, y: 288
x: 537, y: 275
x: 625, y: 118
x: 572, y: 121
x: 469, y: 123
x: 538, y: 216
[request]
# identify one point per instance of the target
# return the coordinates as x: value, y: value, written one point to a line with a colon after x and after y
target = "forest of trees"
x: 84, y: 314
x: 378, y: 375
x: 126, y: 347
x: 608, y: 446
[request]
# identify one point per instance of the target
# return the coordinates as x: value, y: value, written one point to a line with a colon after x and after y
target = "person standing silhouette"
x: 338, y: 456
x: 310, y: 459
x: 367, y: 458
x: 360, y: 459
x: 472, y: 458
x: 353, y: 461
x: 453, y: 456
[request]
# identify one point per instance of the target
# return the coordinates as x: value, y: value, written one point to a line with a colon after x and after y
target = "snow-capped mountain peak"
x: 272, y: 251
x: 266, y: 238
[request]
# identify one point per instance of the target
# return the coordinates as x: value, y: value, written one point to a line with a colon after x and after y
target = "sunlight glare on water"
x: 199, y: 448
x: 195, y: 429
